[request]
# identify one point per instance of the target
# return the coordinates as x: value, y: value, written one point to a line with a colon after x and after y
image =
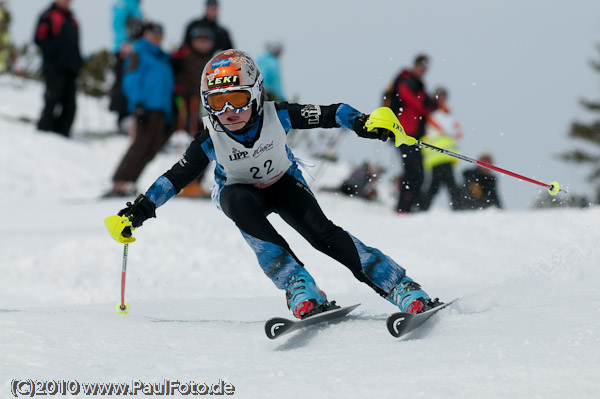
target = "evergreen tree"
x: 94, y: 78
x: 590, y: 133
x: 6, y: 48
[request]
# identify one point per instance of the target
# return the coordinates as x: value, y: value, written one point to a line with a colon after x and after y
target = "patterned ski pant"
x: 295, y: 203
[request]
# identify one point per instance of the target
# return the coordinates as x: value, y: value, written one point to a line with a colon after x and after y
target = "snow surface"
x: 527, y: 323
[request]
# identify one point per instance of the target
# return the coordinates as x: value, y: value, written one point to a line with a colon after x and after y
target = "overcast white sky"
x: 515, y: 69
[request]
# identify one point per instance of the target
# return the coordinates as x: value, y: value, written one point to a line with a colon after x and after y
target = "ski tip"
x: 395, y: 323
x: 122, y: 308
x: 277, y: 326
x: 401, y: 323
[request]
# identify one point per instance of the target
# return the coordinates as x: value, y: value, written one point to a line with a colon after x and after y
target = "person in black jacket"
x: 57, y: 35
x: 221, y: 35
x: 480, y: 187
x: 412, y: 105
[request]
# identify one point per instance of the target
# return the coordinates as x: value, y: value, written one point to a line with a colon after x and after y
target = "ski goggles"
x: 237, y: 100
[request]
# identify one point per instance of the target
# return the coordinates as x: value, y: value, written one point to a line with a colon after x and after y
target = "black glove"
x: 358, y: 125
x: 140, y: 113
x: 138, y: 212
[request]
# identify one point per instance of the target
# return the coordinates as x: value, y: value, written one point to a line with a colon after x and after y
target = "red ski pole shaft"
x: 488, y: 166
x: 508, y: 172
x: 123, y: 271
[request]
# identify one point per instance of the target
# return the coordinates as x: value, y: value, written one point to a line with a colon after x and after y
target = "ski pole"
x: 122, y: 235
x: 553, y: 188
x: 385, y: 118
x: 123, y: 307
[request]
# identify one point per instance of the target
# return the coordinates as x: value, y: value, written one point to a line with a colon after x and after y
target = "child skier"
x: 256, y: 174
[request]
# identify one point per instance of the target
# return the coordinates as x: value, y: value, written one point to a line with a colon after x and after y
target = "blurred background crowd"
x: 154, y: 92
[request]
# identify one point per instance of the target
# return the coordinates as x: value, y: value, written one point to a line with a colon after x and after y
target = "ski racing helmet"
x: 231, y: 79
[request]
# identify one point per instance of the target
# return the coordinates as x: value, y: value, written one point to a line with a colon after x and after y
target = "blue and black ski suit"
x: 270, y: 182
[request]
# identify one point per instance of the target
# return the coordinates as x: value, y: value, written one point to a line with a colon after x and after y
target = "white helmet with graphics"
x: 231, y: 80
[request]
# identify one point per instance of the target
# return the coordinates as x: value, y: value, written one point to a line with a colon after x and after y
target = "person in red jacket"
x: 412, y: 105
x: 57, y: 35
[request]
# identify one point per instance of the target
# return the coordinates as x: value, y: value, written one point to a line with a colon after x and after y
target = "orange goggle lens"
x: 237, y: 99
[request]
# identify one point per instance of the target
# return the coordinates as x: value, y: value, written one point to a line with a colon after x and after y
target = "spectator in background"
x: 57, y: 35
x: 480, y: 186
x: 148, y: 85
x: 412, y: 105
x: 211, y: 14
x: 362, y: 182
x: 268, y: 63
x: 188, y: 63
x: 442, y: 131
x: 127, y: 23
x: 127, y: 27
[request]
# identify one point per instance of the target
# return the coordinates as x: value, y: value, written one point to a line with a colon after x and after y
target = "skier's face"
x: 235, y: 121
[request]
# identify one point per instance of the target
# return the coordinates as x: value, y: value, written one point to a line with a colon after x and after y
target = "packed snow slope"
x: 527, y: 324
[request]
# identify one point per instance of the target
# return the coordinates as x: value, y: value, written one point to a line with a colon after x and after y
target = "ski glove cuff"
x: 358, y: 125
x: 138, y: 212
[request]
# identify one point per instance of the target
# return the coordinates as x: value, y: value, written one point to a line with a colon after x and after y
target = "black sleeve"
x: 44, y: 33
x: 193, y: 162
x: 309, y: 116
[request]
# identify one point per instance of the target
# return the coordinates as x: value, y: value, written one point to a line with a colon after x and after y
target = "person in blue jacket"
x: 148, y: 85
x: 269, y: 66
x: 257, y: 174
x: 127, y: 27
x: 127, y: 22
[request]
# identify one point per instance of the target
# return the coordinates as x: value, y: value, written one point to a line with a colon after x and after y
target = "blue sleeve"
x: 345, y: 115
x: 132, y: 82
x: 269, y: 68
x: 284, y: 119
x: 136, y: 11
x: 160, y: 191
x: 276, y: 85
x: 120, y: 15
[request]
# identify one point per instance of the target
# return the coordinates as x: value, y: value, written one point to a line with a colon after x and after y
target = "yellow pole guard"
x: 115, y: 225
x: 122, y: 311
x: 554, y: 188
x: 385, y: 118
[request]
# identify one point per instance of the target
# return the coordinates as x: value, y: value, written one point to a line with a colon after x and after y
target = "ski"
x: 278, y: 326
x: 400, y: 323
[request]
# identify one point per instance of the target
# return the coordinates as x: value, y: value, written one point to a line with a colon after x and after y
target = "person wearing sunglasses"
x: 257, y: 174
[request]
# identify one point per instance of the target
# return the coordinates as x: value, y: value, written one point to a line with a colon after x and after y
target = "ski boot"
x: 410, y: 298
x: 304, y: 298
